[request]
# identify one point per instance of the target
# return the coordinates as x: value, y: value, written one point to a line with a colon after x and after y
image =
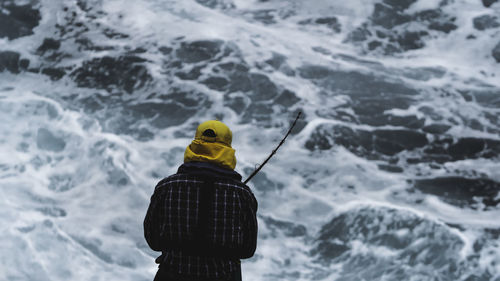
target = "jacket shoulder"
x: 183, y: 178
x: 176, y: 179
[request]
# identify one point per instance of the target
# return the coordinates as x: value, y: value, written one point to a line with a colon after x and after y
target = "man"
x: 203, y: 218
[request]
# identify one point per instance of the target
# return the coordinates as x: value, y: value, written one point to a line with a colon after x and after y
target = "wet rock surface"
x: 390, y: 238
x: 17, y: 20
x: 476, y: 193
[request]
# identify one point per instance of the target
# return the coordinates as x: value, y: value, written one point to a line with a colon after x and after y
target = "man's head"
x: 214, y: 131
x: 212, y: 143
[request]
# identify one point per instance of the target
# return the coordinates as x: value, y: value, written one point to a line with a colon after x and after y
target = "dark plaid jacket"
x: 203, y: 219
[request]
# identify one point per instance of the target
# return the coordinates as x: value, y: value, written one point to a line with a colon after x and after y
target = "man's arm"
x: 251, y: 229
x: 152, y: 223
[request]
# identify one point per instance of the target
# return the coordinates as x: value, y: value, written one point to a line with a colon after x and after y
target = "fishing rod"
x: 274, y: 151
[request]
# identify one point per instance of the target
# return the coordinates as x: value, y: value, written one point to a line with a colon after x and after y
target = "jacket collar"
x: 208, y: 170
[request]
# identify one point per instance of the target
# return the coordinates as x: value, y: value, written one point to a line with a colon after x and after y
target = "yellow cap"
x: 220, y: 132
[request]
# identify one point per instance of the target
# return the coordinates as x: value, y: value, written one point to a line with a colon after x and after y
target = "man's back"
x: 203, y: 219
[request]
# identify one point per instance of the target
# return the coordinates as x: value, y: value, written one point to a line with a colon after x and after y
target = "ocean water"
x: 391, y: 174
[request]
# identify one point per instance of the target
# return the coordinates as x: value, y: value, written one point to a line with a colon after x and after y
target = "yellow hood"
x: 213, y: 152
